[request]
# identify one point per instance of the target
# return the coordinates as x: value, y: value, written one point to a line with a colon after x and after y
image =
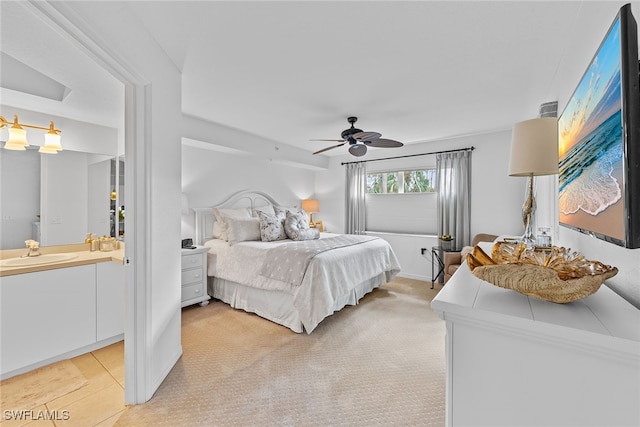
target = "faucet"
x: 33, y: 248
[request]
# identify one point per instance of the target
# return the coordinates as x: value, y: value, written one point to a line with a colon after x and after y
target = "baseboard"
x: 415, y: 277
x: 68, y: 355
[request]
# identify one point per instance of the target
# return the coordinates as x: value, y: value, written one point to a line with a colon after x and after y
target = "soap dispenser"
x: 95, y: 243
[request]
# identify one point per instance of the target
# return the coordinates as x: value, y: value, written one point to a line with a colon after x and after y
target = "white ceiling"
x: 94, y: 96
x: 293, y: 71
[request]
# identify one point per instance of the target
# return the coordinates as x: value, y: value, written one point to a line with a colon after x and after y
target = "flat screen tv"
x: 599, y: 142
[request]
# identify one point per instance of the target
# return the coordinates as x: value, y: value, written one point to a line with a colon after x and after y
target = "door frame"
x: 138, y: 355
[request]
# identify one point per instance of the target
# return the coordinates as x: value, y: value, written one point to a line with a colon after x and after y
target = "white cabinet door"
x: 111, y: 300
x: 45, y: 314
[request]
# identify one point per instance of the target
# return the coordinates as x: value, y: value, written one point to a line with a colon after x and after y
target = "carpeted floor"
x: 380, y: 363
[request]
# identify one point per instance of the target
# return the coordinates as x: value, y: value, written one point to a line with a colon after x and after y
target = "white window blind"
x: 402, y: 213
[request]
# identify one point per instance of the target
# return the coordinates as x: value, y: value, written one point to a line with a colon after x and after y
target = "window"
x: 400, y: 182
x: 402, y: 201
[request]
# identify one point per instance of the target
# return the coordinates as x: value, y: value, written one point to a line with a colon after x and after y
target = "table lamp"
x: 534, y: 152
x: 311, y: 206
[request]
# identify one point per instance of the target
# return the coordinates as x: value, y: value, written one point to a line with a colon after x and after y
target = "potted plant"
x: 446, y: 242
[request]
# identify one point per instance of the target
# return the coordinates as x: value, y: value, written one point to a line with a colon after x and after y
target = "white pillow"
x: 242, y: 229
x: 222, y: 215
x: 216, y: 233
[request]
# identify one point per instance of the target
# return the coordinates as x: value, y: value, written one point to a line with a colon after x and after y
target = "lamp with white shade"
x: 534, y: 152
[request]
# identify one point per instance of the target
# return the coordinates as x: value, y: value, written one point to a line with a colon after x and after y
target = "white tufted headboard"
x: 241, y: 199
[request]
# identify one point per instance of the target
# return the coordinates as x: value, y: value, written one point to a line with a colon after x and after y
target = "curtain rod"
x: 411, y: 155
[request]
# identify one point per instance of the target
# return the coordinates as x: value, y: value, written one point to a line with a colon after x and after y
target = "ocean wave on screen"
x: 595, y: 189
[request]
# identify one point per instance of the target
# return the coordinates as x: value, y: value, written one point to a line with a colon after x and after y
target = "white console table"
x: 513, y: 360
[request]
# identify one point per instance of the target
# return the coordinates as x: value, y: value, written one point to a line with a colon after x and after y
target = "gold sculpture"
x: 557, y: 275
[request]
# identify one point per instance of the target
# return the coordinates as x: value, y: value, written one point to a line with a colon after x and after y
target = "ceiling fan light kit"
x: 359, y: 140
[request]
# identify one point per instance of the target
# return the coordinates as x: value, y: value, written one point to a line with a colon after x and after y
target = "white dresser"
x: 513, y: 360
x: 194, y: 276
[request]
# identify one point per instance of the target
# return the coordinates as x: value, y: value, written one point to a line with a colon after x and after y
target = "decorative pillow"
x: 296, y: 225
x: 284, y: 209
x: 268, y: 209
x: 223, y: 214
x: 308, y: 234
x: 271, y: 227
x: 242, y: 229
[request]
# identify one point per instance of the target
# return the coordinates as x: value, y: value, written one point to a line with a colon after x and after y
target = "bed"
x: 328, y: 280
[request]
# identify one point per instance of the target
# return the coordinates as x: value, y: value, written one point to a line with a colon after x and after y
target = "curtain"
x: 355, y: 198
x: 454, y: 196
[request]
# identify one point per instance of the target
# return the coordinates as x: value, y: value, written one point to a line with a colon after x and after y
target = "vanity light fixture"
x: 18, y: 136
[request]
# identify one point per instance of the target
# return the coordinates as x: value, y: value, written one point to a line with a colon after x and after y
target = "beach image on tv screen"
x: 590, y: 147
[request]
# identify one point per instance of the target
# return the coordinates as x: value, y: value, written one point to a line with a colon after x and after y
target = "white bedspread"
x: 331, y: 274
x: 289, y: 262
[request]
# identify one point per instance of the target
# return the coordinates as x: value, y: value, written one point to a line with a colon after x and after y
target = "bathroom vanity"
x: 55, y: 311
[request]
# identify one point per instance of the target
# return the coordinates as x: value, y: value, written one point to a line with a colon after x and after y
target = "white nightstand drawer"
x: 192, y: 276
x: 189, y: 261
x: 192, y: 291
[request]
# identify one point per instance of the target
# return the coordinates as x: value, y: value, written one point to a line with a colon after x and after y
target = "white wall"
x: 578, y: 55
x: 496, y: 198
x: 209, y: 177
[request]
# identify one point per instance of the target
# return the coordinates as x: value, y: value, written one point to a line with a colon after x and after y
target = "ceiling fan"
x: 359, y: 140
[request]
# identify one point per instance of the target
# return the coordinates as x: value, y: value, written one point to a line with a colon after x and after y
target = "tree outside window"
x: 399, y: 182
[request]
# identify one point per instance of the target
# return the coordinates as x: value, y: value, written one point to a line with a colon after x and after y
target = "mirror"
x: 58, y: 199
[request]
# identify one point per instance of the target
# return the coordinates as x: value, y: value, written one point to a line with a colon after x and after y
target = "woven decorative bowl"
x: 557, y: 274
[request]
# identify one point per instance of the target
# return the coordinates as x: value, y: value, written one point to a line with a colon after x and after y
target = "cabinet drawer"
x: 192, y: 291
x: 192, y: 276
x: 189, y: 261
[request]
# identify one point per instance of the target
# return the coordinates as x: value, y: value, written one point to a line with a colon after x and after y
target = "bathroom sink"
x: 38, y: 260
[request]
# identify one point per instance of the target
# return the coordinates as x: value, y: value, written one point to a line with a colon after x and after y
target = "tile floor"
x: 99, y: 403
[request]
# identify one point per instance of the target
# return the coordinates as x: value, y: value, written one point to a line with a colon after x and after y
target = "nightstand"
x: 194, y: 276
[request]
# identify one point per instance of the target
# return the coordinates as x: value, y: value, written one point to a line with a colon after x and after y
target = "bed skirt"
x: 278, y: 306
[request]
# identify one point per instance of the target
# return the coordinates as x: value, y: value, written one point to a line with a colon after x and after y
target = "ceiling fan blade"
x: 329, y: 148
x: 328, y: 140
x: 366, y: 136
x: 384, y: 143
x: 358, y: 150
